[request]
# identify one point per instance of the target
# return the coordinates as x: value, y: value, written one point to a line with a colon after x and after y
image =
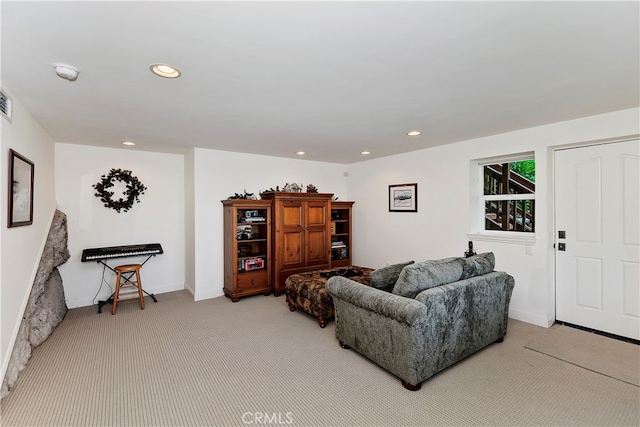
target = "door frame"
x: 551, y: 233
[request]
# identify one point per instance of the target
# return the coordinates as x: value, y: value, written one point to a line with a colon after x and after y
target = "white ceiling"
x: 329, y: 78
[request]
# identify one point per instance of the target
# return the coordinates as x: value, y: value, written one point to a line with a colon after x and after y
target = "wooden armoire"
x: 301, y: 234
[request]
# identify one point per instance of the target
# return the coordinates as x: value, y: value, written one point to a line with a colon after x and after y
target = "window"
x: 509, y: 195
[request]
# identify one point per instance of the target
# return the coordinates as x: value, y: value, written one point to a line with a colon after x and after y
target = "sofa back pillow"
x: 386, y: 277
x: 478, y: 265
x: 417, y: 277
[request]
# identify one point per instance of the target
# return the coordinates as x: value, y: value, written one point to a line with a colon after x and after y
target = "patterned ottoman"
x: 306, y: 292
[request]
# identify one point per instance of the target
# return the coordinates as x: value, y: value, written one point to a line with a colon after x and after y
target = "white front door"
x: 597, y: 237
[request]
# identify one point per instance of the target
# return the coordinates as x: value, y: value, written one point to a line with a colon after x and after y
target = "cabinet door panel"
x: 293, y: 249
x: 317, y: 243
x: 317, y: 250
x: 317, y: 214
x: 291, y: 225
x: 292, y: 214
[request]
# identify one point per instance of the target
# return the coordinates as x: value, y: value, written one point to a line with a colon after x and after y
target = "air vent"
x: 5, y: 106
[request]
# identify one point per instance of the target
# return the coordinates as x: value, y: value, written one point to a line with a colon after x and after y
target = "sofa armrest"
x: 401, y: 309
x: 385, y: 328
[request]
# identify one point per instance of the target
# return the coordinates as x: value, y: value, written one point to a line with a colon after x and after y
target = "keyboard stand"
x: 127, y: 278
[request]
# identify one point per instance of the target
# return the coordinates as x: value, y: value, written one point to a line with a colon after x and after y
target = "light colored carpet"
x: 216, y: 363
x: 606, y: 356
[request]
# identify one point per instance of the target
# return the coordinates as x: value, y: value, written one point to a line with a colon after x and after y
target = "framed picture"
x: 403, y: 198
x: 20, y: 190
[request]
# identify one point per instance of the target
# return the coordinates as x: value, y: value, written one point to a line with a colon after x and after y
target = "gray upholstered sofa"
x: 437, y: 313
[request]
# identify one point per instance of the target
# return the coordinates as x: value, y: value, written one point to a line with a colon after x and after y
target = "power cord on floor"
x: 102, y: 281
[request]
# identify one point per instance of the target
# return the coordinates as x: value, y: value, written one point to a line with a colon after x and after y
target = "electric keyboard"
x: 97, y: 254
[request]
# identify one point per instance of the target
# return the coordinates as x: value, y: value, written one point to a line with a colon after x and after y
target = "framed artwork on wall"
x: 20, y: 195
x: 403, y: 198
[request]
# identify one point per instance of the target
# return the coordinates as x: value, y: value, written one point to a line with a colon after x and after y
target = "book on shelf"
x: 338, y: 245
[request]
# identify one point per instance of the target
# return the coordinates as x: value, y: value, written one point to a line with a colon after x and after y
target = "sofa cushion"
x: 386, y: 277
x: 417, y: 277
x: 478, y: 265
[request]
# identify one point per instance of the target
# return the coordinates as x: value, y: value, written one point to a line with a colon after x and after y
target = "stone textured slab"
x: 46, y: 306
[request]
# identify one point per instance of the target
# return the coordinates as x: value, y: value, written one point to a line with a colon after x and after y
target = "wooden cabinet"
x: 341, y: 242
x: 247, y: 247
x: 301, y: 234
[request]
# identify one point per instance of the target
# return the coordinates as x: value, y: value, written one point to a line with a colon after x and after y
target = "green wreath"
x: 134, y: 189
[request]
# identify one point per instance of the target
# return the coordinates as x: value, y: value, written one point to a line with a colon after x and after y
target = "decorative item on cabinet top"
x: 287, y: 188
x: 291, y: 188
x: 245, y: 196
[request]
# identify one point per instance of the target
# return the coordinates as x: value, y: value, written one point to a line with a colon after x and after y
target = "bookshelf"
x: 341, y: 233
x: 247, y: 248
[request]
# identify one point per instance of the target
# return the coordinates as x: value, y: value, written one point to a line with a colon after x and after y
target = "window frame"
x: 479, y: 199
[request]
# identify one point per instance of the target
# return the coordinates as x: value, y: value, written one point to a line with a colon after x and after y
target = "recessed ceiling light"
x: 164, y: 70
x: 365, y: 153
x: 128, y: 143
x: 414, y: 133
x: 300, y: 153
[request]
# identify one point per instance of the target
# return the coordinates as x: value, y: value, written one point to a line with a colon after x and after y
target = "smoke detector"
x: 66, y: 71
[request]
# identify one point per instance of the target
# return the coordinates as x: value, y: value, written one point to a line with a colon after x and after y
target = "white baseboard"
x: 189, y: 288
x: 155, y: 291
x: 534, y: 319
x: 199, y: 296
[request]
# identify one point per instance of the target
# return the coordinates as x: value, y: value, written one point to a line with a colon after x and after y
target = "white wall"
x: 190, y: 230
x: 21, y: 247
x: 441, y: 226
x: 158, y: 218
x: 182, y: 210
x: 220, y: 174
